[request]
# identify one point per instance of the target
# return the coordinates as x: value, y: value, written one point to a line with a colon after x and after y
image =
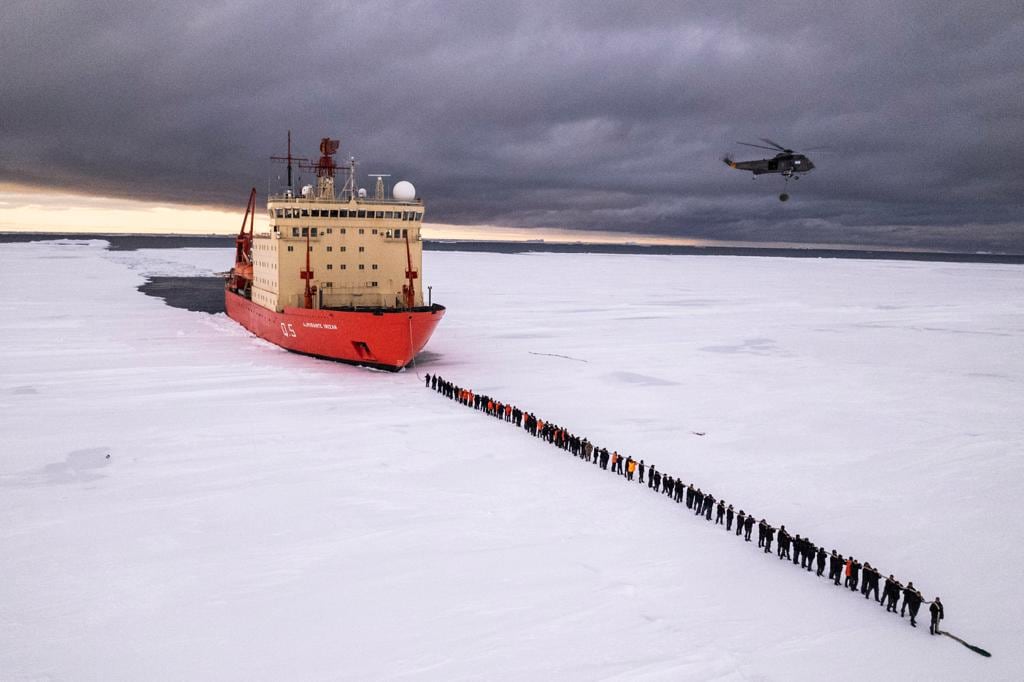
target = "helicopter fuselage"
x: 786, y: 164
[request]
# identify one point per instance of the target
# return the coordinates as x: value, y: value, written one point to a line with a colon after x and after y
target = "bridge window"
x: 330, y: 248
x: 330, y: 267
x: 343, y: 266
x: 305, y: 232
x: 362, y: 248
x: 291, y: 248
x: 360, y: 214
x: 374, y: 266
x: 343, y: 248
x: 362, y: 267
x: 373, y: 231
x: 295, y: 232
x: 312, y: 232
x: 334, y: 213
x: 361, y: 230
x: 380, y: 214
x: 373, y: 284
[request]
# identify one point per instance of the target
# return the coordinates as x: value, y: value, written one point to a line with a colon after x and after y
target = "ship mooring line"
x: 556, y: 355
x: 675, y: 489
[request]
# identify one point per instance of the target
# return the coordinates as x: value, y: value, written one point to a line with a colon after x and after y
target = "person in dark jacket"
x: 728, y: 518
x: 641, y: 469
x: 740, y: 520
x: 870, y: 582
x: 836, y: 567
x: 854, y: 577
x: 894, y: 594
x: 709, y: 503
x: 937, y: 614
x: 761, y: 527
x: 890, y: 584
x: 748, y: 527
x: 720, y: 516
x: 911, y: 599
x: 807, y: 552
x: 783, y: 542
x: 822, y: 555
x: 769, y: 535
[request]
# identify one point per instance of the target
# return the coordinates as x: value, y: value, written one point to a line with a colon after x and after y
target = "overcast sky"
x: 588, y: 115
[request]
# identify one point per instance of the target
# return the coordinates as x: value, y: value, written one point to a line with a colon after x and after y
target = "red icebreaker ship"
x: 338, y: 274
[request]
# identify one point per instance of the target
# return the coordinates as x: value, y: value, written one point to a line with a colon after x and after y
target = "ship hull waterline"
x: 383, y: 339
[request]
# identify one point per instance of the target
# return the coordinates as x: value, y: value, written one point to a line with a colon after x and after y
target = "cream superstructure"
x: 359, y: 249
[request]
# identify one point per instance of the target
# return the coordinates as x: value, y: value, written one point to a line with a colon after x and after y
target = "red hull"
x: 387, y: 339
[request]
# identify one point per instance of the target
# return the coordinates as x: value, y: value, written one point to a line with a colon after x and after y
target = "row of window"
x: 343, y: 213
x: 328, y: 285
x: 291, y: 247
x: 344, y: 266
x: 312, y: 232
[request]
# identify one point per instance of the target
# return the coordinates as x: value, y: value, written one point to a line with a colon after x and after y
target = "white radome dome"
x: 403, y: 191
x: 361, y: 192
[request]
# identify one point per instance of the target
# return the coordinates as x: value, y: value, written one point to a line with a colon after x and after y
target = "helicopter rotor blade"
x: 776, y: 145
x: 758, y: 146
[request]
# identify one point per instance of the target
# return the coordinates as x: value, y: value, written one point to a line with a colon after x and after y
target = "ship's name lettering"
x: 319, y: 325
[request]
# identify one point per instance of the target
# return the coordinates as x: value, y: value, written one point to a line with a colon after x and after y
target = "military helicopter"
x: 787, y: 163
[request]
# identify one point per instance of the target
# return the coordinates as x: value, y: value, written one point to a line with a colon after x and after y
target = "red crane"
x: 241, y: 274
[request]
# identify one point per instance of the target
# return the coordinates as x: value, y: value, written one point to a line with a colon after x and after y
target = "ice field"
x: 267, y: 516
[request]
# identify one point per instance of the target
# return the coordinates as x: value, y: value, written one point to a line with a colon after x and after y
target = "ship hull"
x: 385, y: 339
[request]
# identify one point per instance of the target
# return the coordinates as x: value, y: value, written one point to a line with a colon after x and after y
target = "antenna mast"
x: 289, y: 159
x: 350, y: 182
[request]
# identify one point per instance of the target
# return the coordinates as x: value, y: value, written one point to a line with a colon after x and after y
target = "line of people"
x: 845, y: 571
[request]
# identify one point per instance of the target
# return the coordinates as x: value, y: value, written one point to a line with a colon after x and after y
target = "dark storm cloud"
x: 562, y: 114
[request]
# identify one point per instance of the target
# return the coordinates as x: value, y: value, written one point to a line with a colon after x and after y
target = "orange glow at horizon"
x: 25, y: 209
x: 30, y: 209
